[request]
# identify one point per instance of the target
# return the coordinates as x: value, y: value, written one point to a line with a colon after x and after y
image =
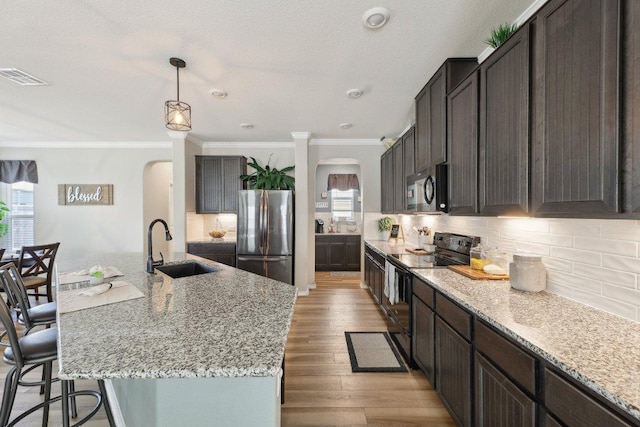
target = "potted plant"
x: 4, y: 228
x: 500, y: 34
x: 268, y: 178
x: 384, y: 226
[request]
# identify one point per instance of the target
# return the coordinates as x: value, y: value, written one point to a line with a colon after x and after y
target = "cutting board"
x: 418, y: 251
x: 467, y: 271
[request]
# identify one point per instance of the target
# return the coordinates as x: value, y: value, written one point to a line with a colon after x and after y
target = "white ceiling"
x: 285, y: 64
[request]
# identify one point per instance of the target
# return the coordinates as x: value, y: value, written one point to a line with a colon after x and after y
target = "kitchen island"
x: 190, y: 351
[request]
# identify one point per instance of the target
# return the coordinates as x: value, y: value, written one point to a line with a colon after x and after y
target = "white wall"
x: 596, y: 262
x: 158, y: 177
x: 118, y: 227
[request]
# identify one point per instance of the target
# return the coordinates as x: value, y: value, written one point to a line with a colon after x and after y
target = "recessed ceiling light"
x: 345, y: 125
x: 354, y: 93
x: 218, y: 93
x: 246, y: 125
x: 21, y: 78
x: 376, y: 17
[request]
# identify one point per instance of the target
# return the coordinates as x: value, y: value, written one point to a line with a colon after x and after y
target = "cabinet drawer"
x: 573, y: 407
x: 423, y: 291
x: 511, y: 359
x: 457, y: 317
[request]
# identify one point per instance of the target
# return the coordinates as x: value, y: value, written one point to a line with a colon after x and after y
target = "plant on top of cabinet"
x: 501, y: 33
x: 268, y: 178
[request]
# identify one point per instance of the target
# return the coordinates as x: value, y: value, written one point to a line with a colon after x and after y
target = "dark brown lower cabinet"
x: 335, y: 252
x: 374, y: 273
x: 453, y: 372
x: 423, y: 338
x: 498, y: 401
x: 573, y: 407
x: 224, y: 253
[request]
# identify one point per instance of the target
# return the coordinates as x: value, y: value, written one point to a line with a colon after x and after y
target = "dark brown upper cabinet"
x: 631, y: 107
x: 504, y: 128
x: 386, y: 178
x: 575, y: 117
x: 217, y: 183
x: 409, y: 151
x: 399, y: 184
x: 431, y: 111
x: 462, y: 136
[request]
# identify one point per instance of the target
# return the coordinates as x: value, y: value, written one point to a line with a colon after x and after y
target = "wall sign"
x: 85, y: 194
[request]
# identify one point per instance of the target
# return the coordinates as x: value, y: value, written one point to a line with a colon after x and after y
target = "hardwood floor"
x: 320, y: 389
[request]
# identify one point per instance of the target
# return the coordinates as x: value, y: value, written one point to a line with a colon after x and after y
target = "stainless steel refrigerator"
x: 265, y: 233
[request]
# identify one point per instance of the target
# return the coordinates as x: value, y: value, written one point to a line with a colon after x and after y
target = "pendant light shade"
x: 177, y: 114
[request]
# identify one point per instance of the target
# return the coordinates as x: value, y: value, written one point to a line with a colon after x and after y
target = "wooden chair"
x: 36, y: 267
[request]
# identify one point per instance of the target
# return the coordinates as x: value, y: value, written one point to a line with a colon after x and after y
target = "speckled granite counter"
x: 225, y: 324
x: 600, y: 350
x: 383, y: 247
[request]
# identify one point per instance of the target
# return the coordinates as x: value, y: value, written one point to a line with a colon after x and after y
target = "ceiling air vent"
x: 21, y: 78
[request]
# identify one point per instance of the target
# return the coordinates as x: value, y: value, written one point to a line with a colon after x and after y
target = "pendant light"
x: 177, y: 114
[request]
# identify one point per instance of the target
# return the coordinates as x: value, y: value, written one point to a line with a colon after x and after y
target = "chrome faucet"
x: 150, y: 262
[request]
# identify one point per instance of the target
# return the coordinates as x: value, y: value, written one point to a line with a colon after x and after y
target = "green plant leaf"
x: 500, y: 34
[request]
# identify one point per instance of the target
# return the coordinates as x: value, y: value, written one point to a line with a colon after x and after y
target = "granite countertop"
x: 355, y: 233
x: 598, y: 349
x: 383, y: 247
x: 230, y: 323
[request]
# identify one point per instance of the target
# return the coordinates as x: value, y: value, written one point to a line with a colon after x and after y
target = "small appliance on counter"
x: 319, y: 226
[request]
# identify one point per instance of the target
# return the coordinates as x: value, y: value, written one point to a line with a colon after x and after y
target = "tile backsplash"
x: 595, y: 262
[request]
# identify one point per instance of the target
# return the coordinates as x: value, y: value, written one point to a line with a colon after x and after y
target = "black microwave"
x: 427, y: 190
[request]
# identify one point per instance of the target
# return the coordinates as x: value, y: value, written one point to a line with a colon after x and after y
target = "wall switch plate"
x: 322, y: 204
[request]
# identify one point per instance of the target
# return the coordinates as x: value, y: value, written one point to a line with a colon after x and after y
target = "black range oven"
x: 396, y: 301
x: 451, y: 249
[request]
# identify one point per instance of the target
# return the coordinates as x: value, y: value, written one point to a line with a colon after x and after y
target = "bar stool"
x: 30, y: 317
x: 36, y: 267
x: 30, y: 352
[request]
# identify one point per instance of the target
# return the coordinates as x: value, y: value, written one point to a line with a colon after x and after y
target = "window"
x: 342, y: 204
x: 19, y: 199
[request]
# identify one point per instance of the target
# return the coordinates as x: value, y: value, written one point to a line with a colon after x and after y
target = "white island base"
x: 219, y: 401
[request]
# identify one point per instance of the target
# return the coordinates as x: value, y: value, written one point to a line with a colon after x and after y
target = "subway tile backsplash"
x: 595, y: 262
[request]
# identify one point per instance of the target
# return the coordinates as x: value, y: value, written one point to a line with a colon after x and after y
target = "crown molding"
x: 352, y: 142
x: 301, y: 135
x: 247, y: 144
x: 84, y: 144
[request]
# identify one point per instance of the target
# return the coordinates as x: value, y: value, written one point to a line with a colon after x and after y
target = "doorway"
x: 338, y: 218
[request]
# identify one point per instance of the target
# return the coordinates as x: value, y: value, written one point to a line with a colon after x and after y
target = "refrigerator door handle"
x: 265, y: 229
x: 261, y: 222
x: 263, y: 259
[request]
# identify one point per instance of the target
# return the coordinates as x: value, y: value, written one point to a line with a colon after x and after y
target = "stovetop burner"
x: 451, y: 249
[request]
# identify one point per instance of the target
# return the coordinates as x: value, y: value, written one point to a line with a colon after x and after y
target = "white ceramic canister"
x: 527, y: 273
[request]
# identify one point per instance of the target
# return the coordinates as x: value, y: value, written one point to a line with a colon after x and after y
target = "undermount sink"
x: 186, y: 269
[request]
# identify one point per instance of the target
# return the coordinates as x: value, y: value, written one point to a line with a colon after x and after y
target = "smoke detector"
x: 345, y: 125
x: 218, y: 93
x: 354, y: 93
x: 376, y: 17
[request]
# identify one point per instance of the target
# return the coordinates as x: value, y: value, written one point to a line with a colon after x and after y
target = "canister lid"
x: 527, y: 257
